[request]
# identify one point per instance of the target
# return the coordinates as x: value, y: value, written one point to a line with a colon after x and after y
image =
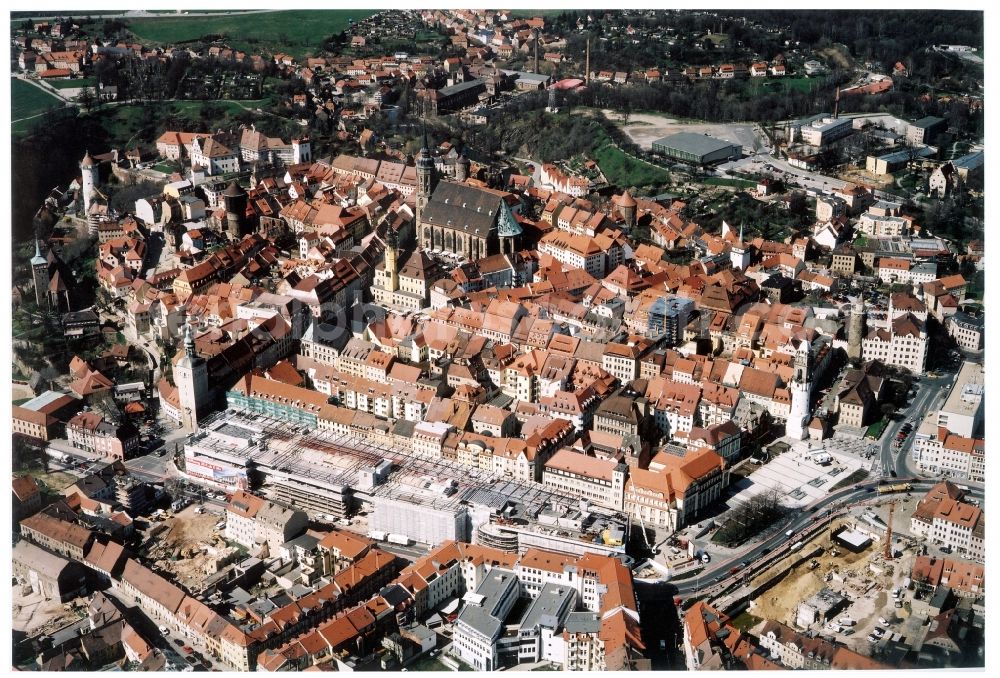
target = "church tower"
x: 801, y: 386
x: 462, y: 166
x: 235, y: 200
x: 191, y: 378
x: 88, y: 170
x: 628, y: 207
x: 40, y: 276
x: 739, y: 254
x: 392, y: 259
x: 426, y: 179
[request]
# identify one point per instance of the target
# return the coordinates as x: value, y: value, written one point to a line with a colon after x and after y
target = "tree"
x: 797, y: 204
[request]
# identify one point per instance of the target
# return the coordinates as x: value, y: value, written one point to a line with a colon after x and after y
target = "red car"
x: 188, y: 649
x: 734, y: 570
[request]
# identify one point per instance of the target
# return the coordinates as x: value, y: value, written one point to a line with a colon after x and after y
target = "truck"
x: 846, y: 621
x: 399, y: 539
x: 377, y: 535
x: 796, y: 546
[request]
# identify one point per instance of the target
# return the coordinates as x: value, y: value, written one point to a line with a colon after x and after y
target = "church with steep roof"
x: 462, y: 220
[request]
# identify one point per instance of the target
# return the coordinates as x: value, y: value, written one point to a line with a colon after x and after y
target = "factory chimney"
x: 536, y: 50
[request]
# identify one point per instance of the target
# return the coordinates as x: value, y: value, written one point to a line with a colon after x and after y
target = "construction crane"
x: 888, y: 533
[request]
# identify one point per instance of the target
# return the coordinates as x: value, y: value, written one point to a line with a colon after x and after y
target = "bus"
x: 897, y: 487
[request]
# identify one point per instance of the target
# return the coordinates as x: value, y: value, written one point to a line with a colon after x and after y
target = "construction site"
x: 865, y: 577
x: 330, y: 474
x: 189, y: 545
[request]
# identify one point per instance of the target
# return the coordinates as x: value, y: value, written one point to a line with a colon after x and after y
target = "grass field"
x: 529, y: 13
x: 745, y: 621
x: 977, y: 286
x: 297, y: 32
x: 783, y: 84
x: 875, y: 430
x: 122, y: 122
x: 27, y: 100
x: 77, y: 83
x: 623, y: 170
x: 738, y: 183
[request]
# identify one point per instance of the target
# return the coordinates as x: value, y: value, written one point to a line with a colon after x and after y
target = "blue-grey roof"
x: 527, y: 75
x: 970, y: 161
x: 696, y: 144
x: 928, y: 121
x: 967, y: 320
x: 460, y: 87
x: 583, y: 622
x: 480, y: 617
x: 38, y: 402
x: 906, y: 154
x: 550, y: 608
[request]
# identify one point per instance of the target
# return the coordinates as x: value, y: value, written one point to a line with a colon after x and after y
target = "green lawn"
x: 623, y: 170
x: 426, y: 36
x: 297, y: 32
x: 76, y: 83
x: 758, y: 85
x: 27, y: 100
x: 738, y: 183
x: 875, y: 430
x: 531, y: 13
x: 122, y: 122
x: 977, y: 286
x: 745, y: 621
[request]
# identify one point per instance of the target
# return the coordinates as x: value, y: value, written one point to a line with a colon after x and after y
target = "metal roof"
x: 696, y: 144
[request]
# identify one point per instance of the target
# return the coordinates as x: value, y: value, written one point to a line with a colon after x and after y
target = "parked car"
x: 883, y: 621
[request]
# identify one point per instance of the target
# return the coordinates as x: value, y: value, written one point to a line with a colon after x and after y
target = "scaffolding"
x: 289, y: 455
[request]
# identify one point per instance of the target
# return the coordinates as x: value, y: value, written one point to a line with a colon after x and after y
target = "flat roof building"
x: 481, y: 622
x: 890, y: 162
x: 697, y: 149
x: 962, y: 412
x: 827, y: 130
x: 925, y: 130
x: 820, y: 607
